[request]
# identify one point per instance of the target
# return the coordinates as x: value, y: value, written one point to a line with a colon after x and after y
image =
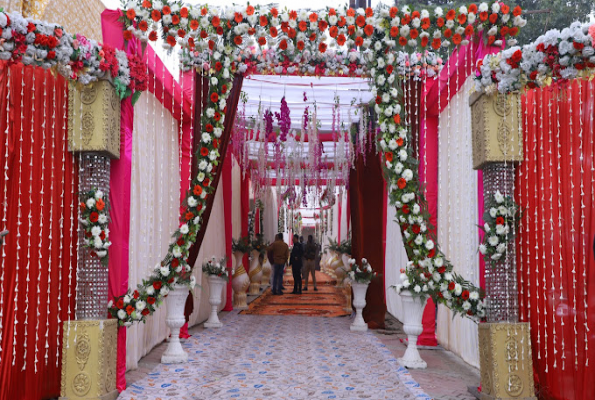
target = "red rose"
x: 206, y: 182
x: 432, y: 253
x: 151, y: 300
x: 153, y: 36
x: 405, y: 209
x: 416, y: 229
x: 389, y: 156
x: 283, y: 44
x: 120, y: 304
x: 175, y: 263
x: 204, y: 151
x: 135, y: 294
x: 465, y: 295
x: 93, y: 217
x: 499, y: 221
x: 129, y: 310
x: 214, y: 97
x: 51, y: 55
x: 157, y: 285
x: 145, y: 311
x: 451, y: 286
x: 401, y: 183
x: 441, y: 270
x: 322, y: 47
x: 170, y: 280
x: 300, y: 45
x: 189, y: 215
x: 180, y: 242
x: 197, y: 191
x: 209, y: 128
x: 273, y: 31
x: 424, y: 41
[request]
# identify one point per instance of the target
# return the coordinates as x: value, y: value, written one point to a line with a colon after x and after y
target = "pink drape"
x: 227, y: 212
x: 120, y: 176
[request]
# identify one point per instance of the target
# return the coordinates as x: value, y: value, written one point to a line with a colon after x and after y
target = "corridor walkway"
x: 280, y: 357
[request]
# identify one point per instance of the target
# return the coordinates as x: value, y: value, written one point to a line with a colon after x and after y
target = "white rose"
x: 140, y: 305
x: 406, y: 283
x: 498, y: 196
x: 407, y: 174
x: 122, y: 314
x: 419, y: 240
x: 127, y: 299
x: 96, y: 231
x: 500, y: 230
x: 466, y: 304
x: 496, y: 256
x: 90, y: 203
x: 458, y: 289
x: 99, y: 194
x: 403, y: 155
x: 493, y: 240
x: 436, y: 277
x: 150, y: 290
x: 430, y: 244
x: 102, y: 219
x: 416, y: 208
x: 486, y: 227
x: 164, y: 270
x: 474, y: 295
x: 192, y: 202
x: 417, y: 289
x: 482, y: 248
x: 495, y: 7
x: 501, y: 248
x: 164, y: 291
x: 177, y: 252
x: 184, y: 229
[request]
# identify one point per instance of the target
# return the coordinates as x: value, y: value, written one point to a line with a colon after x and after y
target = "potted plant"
x: 217, y: 274
x: 360, y: 277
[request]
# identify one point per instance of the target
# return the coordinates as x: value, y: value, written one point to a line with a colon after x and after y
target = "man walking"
x: 295, y: 260
x: 280, y: 253
x: 310, y: 251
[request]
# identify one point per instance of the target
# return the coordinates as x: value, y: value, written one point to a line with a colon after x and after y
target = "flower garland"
x: 216, y: 43
x: 94, y: 218
x: 216, y: 267
x: 80, y: 59
x: 556, y: 56
x: 501, y: 218
x: 363, y: 274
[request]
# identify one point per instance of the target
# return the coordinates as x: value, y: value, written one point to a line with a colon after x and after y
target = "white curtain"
x: 457, y: 218
x: 269, y: 219
x: 155, y: 199
x: 236, y: 205
x: 395, y: 258
x: 213, y: 244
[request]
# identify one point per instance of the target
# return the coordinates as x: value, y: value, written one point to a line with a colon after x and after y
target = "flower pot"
x: 347, y: 294
x: 175, y: 301
x: 215, y: 287
x: 238, y: 255
x: 255, y: 273
x: 359, y: 302
x: 240, y: 283
x: 413, y: 310
x: 266, y: 274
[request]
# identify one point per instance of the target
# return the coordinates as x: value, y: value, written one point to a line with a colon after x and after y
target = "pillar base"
x: 506, y: 362
x: 89, y: 360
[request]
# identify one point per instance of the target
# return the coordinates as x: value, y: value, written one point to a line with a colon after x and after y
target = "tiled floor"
x: 446, y: 377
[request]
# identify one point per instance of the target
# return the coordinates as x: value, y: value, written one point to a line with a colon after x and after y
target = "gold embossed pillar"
x: 504, y: 344
x: 90, y: 341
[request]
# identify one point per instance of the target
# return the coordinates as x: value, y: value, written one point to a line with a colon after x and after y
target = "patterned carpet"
x: 281, y: 357
x: 328, y: 301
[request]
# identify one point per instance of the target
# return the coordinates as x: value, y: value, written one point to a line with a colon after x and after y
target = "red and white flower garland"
x: 219, y: 43
x: 501, y: 220
x: 94, y: 219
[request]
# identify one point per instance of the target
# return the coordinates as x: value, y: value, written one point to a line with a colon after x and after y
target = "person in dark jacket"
x: 295, y: 260
x: 280, y: 253
x: 310, y: 251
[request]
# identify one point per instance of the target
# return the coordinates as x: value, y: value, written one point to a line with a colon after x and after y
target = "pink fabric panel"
x: 227, y: 212
x: 120, y: 177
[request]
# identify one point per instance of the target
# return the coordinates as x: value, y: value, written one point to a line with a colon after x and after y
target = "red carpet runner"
x: 328, y: 301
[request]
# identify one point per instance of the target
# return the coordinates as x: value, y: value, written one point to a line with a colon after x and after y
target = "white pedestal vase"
x: 266, y: 274
x: 359, y: 302
x: 175, y: 301
x: 215, y: 289
x: 240, y: 283
x: 413, y: 310
x: 255, y: 273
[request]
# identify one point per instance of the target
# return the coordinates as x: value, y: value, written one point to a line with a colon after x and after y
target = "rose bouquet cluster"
x: 216, y: 267
x: 360, y: 273
x: 501, y: 220
x: 74, y: 56
x: 243, y: 245
x: 556, y: 56
x: 94, y: 212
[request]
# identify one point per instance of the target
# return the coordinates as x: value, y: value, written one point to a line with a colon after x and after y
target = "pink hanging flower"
x: 592, y: 34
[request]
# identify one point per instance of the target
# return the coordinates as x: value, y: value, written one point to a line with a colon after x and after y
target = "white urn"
x: 239, y: 283
x: 359, y: 302
x: 175, y: 302
x: 255, y: 273
x: 413, y: 310
x: 216, y: 284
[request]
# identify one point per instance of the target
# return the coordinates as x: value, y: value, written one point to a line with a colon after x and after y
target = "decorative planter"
x: 342, y: 268
x: 347, y: 294
x: 215, y: 287
x: 255, y: 273
x: 359, y: 302
x: 175, y: 301
x: 413, y: 310
x: 239, y: 282
x: 266, y: 273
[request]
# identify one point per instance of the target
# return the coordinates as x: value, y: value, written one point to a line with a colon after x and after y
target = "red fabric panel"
x: 227, y: 211
x: 557, y: 261
x: 245, y: 204
x: 43, y: 113
x: 366, y: 191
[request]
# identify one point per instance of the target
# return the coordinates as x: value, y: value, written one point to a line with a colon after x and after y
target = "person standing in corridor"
x: 310, y: 251
x: 280, y: 255
x: 295, y: 260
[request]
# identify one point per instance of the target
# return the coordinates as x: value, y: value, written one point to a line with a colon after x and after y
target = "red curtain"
x: 40, y: 186
x: 368, y: 216
x: 555, y: 247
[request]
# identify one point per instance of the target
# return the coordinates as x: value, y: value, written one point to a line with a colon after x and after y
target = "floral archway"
x: 245, y: 40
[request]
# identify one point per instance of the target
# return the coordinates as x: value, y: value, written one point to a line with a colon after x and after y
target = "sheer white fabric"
x: 395, y: 258
x: 457, y: 218
x: 270, y: 221
x: 213, y: 245
x: 236, y: 199
x: 154, y: 205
